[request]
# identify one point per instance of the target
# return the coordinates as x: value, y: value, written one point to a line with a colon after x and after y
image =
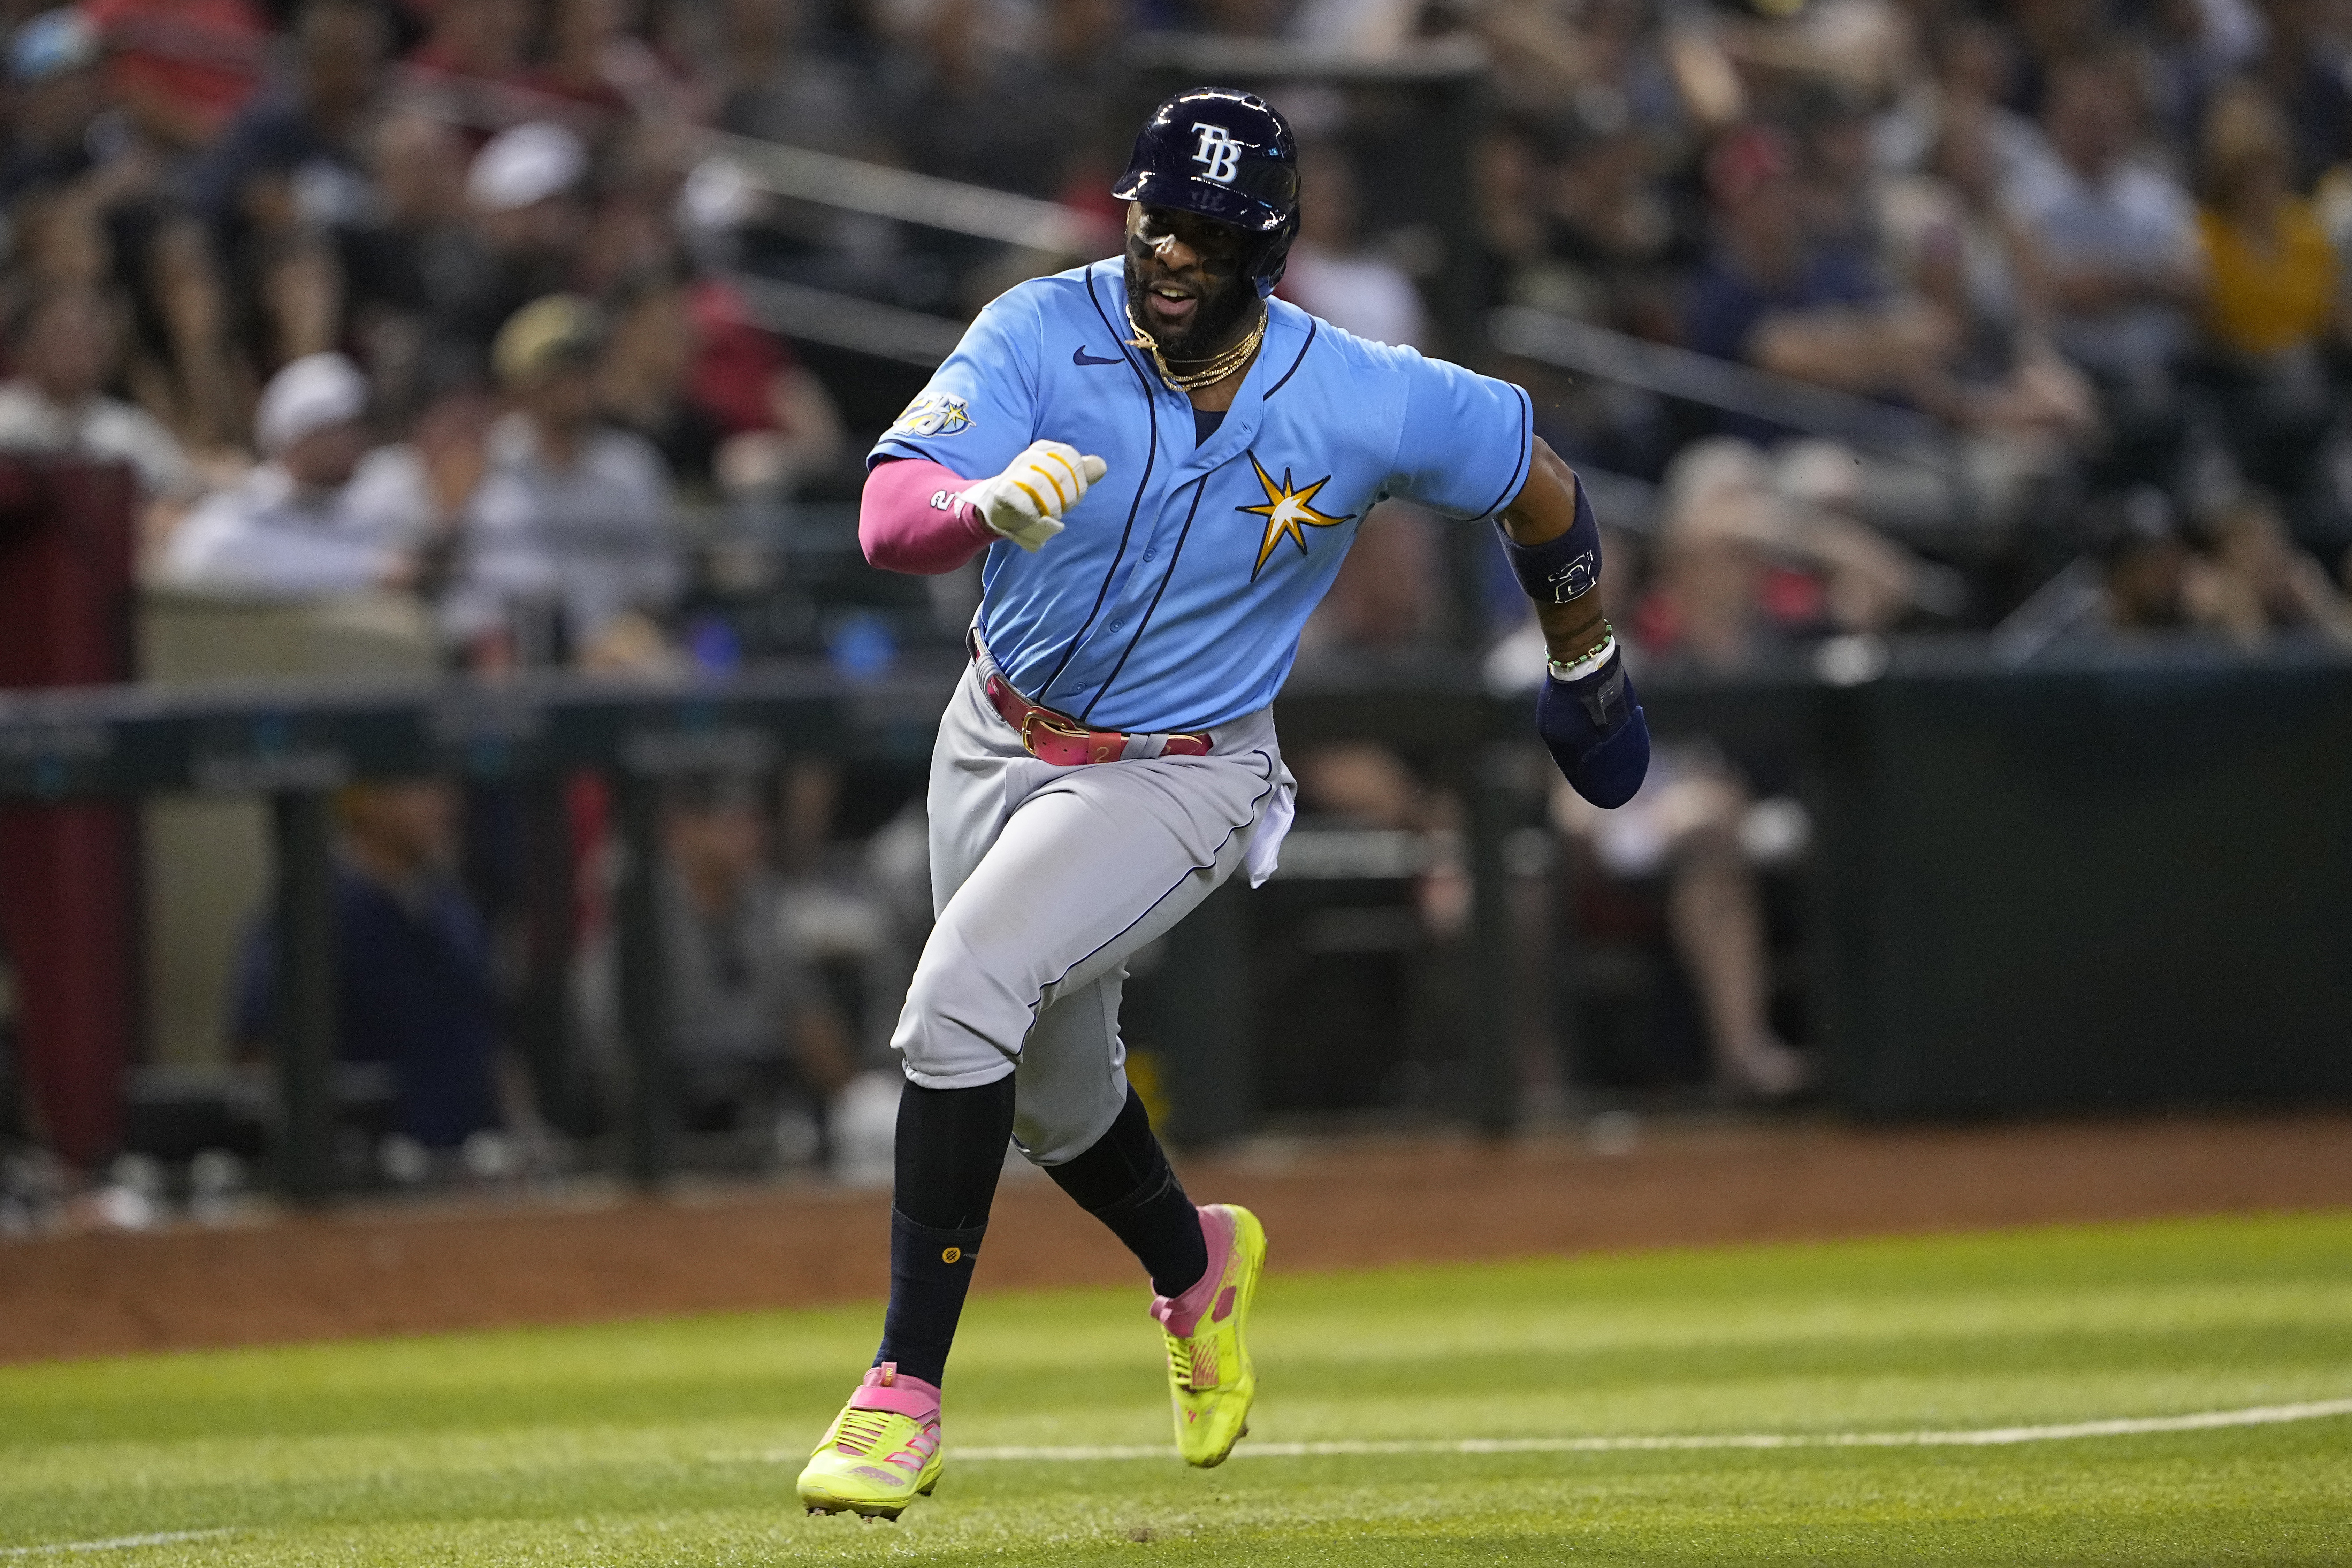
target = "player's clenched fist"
x: 1025, y: 502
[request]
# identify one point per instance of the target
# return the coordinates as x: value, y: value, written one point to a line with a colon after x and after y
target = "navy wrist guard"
x: 1596, y: 730
x: 1561, y: 569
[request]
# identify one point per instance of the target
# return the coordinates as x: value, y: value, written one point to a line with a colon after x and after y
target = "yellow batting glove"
x: 1025, y: 502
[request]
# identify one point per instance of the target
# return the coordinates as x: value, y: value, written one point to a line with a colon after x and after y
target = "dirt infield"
x: 1346, y: 1203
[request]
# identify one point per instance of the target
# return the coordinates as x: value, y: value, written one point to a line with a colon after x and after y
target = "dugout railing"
x: 298, y: 742
x: 2121, y: 878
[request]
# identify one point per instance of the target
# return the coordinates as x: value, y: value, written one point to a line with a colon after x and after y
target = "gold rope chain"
x: 1213, y: 371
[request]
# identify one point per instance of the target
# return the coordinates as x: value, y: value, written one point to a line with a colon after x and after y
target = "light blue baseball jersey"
x: 1174, y: 596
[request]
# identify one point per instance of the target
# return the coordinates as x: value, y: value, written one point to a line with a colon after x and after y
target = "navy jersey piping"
x: 1313, y: 325
x: 1527, y: 428
x: 1152, y: 407
x: 1200, y: 489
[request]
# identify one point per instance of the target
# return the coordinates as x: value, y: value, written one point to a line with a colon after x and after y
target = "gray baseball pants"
x: 1045, y: 880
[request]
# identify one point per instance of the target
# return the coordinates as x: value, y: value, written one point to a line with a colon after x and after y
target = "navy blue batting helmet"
x: 1228, y: 156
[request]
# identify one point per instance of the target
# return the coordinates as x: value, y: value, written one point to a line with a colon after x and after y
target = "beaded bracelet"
x: 1585, y: 663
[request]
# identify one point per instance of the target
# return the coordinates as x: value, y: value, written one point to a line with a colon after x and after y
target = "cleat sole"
x: 863, y: 1510
x: 864, y: 1513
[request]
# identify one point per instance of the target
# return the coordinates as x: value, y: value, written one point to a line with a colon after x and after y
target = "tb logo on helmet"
x: 1219, y: 152
x: 1238, y: 164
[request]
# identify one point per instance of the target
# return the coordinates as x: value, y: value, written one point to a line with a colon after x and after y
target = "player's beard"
x: 1217, y: 325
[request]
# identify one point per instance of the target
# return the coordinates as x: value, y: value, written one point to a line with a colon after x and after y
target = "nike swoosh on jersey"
x: 1079, y: 356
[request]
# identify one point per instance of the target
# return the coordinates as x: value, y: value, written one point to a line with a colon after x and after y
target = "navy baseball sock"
x: 1125, y: 1181
x: 950, y: 1146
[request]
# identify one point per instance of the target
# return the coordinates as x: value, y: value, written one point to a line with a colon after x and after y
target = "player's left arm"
x: 1465, y: 442
x: 1586, y: 714
x: 1547, y: 510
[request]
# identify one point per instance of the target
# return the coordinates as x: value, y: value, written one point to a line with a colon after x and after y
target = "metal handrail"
x: 1570, y: 344
x: 1213, y: 55
x: 847, y: 322
x: 878, y: 190
x: 851, y: 185
x: 848, y: 185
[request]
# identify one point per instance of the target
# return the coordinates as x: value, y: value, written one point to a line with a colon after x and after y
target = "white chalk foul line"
x: 1982, y: 1437
x: 114, y: 1543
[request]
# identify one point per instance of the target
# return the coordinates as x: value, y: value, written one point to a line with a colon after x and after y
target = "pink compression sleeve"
x: 911, y: 518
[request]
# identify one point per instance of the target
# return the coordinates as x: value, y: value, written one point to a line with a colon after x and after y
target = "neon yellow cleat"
x: 882, y: 1451
x: 1209, y: 1369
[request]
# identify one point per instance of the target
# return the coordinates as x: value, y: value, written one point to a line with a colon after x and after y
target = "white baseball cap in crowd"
x: 311, y: 393
x: 53, y: 44
x: 525, y: 163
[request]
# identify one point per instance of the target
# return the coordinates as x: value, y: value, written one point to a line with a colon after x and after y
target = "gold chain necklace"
x: 1212, y: 370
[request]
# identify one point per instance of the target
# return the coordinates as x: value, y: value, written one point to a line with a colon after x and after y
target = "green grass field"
x: 677, y: 1442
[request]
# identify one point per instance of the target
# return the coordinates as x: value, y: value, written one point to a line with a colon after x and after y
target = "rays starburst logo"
x: 1288, y: 511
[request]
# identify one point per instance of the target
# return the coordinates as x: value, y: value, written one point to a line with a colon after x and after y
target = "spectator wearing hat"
x: 57, y: 93
x: 527, y: 223
x: 181, y: 68
x: 568, y: 551
x: 66, y: 346
x: 524, y: 185
x: 324, y: 515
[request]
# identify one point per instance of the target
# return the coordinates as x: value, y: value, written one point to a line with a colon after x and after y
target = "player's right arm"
x: 962, y: 466
x: 922, y: 517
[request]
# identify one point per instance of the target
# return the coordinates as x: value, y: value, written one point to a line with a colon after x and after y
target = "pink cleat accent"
x: 886, y: 1388
x: 1210, y: 1377
x: 882, y: 1451
x: 1181, y: 1315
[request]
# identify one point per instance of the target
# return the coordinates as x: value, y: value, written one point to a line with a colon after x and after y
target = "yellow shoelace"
x: 861, y: 1430
x: 1183, y: 1365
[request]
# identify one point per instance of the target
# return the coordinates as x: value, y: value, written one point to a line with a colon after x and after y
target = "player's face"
x: 1184, y: 281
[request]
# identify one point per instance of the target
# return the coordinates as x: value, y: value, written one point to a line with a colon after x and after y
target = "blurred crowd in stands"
x: 443, y: 296
x: 2098, y: 241
x: 458, y: 301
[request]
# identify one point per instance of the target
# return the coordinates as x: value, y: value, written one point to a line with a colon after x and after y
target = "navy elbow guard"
x: 1561, y: 569
x: 1596, y: 731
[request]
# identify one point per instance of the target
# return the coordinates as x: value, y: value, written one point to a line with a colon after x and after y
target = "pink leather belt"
x: 1058, y: 739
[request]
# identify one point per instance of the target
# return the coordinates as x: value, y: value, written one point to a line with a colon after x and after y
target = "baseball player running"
x: 1165, y: 466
